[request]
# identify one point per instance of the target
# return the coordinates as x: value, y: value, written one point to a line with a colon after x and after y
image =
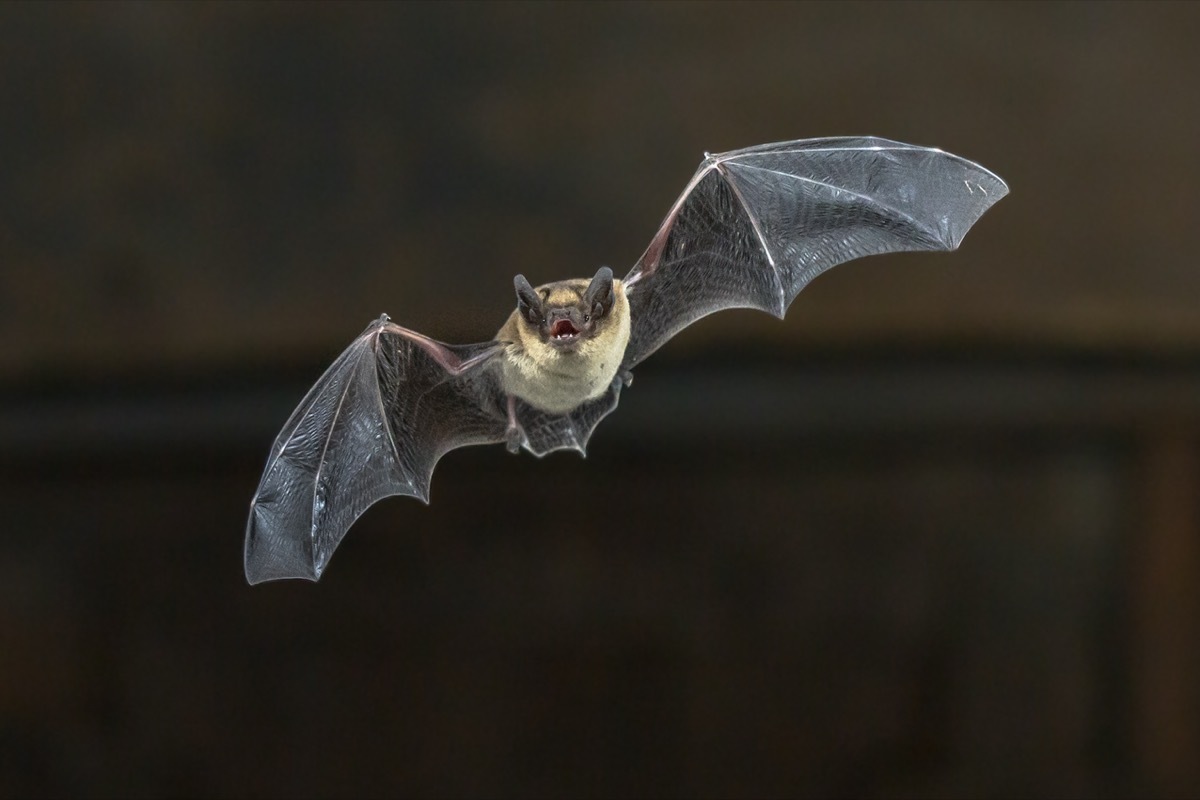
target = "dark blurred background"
x: 937, y: 534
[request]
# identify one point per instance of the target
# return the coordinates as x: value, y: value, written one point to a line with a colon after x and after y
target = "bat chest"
x: 558, y: 382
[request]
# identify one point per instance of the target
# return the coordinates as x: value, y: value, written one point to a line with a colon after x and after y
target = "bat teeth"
x: 563, y: 329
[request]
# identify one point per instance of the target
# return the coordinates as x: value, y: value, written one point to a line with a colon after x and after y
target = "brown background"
x: 936, y: 534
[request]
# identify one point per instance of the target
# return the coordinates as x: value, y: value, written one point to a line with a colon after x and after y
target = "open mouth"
x: 563, y: 330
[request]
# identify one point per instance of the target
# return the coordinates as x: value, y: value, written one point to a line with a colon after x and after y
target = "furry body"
x: 559, y: 380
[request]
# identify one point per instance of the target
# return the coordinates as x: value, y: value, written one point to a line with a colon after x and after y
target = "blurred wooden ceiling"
x: 215, y: 185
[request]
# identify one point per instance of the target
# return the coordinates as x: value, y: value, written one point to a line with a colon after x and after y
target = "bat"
x: 751, y: 229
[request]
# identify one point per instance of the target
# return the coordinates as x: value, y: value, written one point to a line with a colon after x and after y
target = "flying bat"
x: 750, y: 230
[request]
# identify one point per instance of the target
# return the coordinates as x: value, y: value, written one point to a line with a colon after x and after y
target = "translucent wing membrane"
x: 374, y: 425
x: 754, y: 226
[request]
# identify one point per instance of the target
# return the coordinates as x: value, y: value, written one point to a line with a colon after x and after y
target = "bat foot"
x: 512, y: 439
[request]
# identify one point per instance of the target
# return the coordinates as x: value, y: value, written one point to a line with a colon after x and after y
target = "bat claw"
x: 626, y: 377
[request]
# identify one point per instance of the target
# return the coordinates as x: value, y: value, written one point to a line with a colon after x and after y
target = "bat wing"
x: 374, y: 425
x: 545, y: 433
x: 754, y: 226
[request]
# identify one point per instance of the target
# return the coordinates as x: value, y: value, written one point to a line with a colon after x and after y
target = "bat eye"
x: 587, y: 317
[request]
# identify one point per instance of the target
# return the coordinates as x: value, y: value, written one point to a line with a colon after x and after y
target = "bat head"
x: 566, y: 313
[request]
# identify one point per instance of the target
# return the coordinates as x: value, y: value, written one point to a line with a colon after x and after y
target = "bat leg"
x: 514, y: 436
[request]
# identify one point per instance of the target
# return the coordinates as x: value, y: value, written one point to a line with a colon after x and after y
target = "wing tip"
x: 255, y: 579
x: 261, y: 567
x: 992, y: 194
x: 263, y: 562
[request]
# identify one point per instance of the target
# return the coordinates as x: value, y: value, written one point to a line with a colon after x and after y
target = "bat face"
x: 566, y: 314
x: 565, y: 341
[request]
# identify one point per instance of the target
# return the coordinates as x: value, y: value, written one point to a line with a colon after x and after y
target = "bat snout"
x: 563, y: 328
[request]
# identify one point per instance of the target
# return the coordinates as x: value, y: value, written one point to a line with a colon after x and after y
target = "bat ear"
x: 528, y: 300
x: 600, y: 292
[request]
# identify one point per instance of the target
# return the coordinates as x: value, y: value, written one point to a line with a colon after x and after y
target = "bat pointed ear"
x: 528, y: 300
x: 600, y: 291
